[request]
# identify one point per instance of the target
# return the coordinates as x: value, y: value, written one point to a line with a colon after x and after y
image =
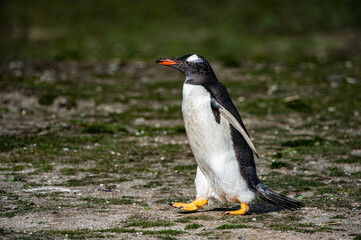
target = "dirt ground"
x: 98, y: 150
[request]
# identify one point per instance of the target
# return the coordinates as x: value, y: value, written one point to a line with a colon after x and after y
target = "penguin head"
x: 195, y: 67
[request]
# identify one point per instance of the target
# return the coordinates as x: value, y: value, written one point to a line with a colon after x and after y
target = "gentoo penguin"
x: 219, y: 141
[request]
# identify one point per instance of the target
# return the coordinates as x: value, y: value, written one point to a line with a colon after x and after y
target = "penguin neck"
x: 201, y: 79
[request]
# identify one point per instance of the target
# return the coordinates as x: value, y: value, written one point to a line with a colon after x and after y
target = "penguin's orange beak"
x: 166, y: 62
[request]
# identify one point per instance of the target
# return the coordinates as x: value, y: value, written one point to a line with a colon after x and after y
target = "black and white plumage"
x: 219, y: 140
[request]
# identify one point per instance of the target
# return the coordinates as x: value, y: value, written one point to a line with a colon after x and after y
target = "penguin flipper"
x: 233, y: 121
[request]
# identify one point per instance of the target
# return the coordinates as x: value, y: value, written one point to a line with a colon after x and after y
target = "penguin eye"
x: 187, y: 62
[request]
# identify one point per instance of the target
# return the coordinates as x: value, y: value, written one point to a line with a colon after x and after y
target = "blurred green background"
x: 229, y: 31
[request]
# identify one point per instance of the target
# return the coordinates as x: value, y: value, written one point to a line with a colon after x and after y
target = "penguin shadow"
x: 255, y: 208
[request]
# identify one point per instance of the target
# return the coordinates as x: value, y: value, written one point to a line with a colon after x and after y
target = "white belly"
x: 212, y: 146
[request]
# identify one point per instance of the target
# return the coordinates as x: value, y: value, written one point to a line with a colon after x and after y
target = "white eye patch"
x: 194, y: 58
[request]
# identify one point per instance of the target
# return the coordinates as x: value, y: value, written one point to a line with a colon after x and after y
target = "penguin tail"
x: 277, y: 199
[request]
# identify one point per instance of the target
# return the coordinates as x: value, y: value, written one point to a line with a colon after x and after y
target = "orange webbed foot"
x: 244, y: 209
x: 191, y: 207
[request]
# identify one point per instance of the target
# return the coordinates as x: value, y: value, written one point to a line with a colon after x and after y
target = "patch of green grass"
x: 334, y: 171
x: 277, y: 155
x: 295, y: 183
x: 279, y: 164
x: 11, y: 195
x: 334, y: 199
x: 16, y: 178
x: 327, y: 190
x: 8, y: 143
x: 148, y: 224
x: 54, y: 195
x: 88, y: 180
x: 5, y: 169
x: 300, y: 227
x: 339, y: 216
x: 23, y: 207
x: 118, y: 230
x: 193, y: 226
x: 3, y: 110
x: 303, y: 142
x: 167, y: 237
x: 299, y: 106
x: 18, y: 168
x: 185, y: 167
x: 356, y: 175
x: 349, y: 159
x: 188, y: 219
x: 233, y: 226
x: 43, y: 168
x: 68, y: 171
x: 47, y: 99
x: 184, y: 220
x: 263, y: 106
x: 293, y: 218
x: 163, y: 232
x: 43, y: 144
x: 99, y: 127
x: 281, y: 227
x: 299, y: 160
